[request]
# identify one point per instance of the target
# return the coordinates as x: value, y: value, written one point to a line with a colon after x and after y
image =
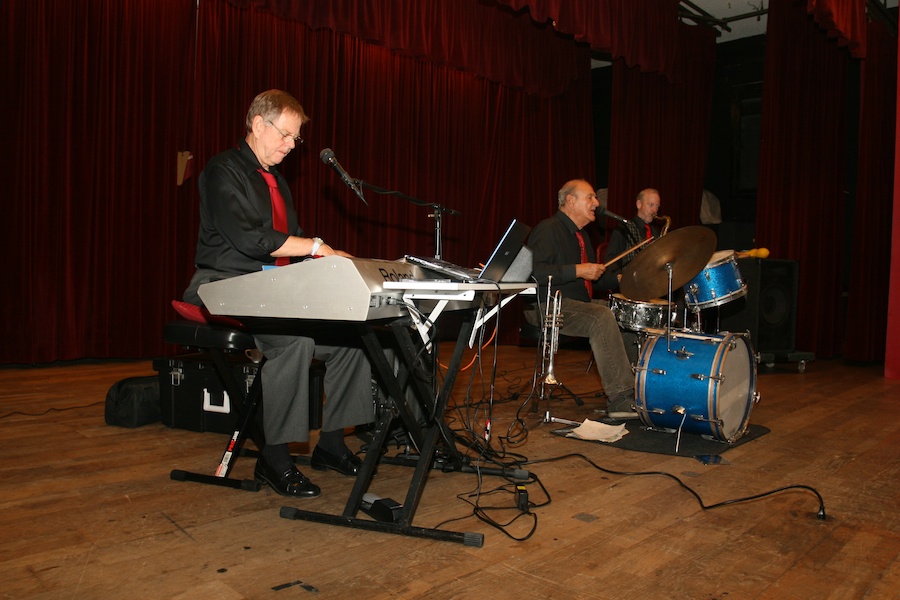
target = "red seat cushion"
x: 199, y: 314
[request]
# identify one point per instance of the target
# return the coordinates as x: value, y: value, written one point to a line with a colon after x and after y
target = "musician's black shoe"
x: 290, y: 483
x: 622, y: 408
x: 348, y: 464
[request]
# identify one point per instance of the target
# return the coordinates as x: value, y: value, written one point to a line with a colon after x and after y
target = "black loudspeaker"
x: 769, y: 310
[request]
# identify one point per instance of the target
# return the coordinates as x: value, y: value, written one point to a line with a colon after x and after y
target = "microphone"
x: 327, y: 156
x: 602, y: 211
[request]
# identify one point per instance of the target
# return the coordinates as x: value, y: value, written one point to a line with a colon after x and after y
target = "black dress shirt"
x: 236, y: 234
x: 556, y: 252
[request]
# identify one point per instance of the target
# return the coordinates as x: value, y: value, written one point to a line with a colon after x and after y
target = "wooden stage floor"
x: 89, y: 511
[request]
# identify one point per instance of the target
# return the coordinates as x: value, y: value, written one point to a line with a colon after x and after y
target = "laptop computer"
x: 495, y: 268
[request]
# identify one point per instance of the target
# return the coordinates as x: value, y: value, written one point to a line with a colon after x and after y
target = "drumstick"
x: 632, y: 249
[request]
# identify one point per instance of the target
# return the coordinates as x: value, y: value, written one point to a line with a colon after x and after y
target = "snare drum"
x: 705, y: 384
x: 719, y: 282
x: 638, y: 316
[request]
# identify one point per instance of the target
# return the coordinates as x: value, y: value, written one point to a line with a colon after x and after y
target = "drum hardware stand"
x: 641, y: 339
x: 697, y: 321
x: 668, y: 308
x: 550, y: 419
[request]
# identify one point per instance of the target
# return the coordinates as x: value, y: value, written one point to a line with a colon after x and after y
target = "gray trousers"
x: 285, y: 381
x: 596, y: 322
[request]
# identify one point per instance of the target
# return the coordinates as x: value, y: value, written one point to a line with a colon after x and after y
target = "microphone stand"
x: 437, y: 211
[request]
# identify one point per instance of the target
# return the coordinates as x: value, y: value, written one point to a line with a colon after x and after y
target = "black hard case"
x: 193, y: 397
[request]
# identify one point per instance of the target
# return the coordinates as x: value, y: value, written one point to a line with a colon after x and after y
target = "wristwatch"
x: 317, y: 241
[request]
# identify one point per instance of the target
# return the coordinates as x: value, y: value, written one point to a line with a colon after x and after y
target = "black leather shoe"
x: 290, y: 483
x: 348, y: 464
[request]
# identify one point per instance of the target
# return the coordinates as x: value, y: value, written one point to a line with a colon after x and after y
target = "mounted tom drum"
x: 718, y: 283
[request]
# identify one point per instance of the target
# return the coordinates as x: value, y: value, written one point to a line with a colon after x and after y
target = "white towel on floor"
x: 601, y: 432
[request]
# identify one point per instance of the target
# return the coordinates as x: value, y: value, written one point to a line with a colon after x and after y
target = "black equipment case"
x: 133, y: 402
x: 192, y: 395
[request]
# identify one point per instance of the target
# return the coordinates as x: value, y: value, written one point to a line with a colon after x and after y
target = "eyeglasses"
x: 286, y: 136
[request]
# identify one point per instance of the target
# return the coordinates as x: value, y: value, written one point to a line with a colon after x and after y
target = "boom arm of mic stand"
x: 437, y: 213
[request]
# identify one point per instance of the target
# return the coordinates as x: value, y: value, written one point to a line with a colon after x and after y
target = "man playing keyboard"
x: 247, y: 223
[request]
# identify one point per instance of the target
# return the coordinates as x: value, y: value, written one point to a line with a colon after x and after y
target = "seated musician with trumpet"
x: 563, y: 253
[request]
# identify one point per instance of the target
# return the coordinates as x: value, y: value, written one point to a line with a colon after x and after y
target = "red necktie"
x: 587, y: 284
x: 649, y: 233
x: 279, y: 212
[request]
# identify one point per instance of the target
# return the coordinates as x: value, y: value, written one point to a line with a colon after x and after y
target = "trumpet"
x: 553, y: 319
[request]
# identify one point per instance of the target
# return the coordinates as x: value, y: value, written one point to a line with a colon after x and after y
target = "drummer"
x: 562, y: 251
x: 628, y: 235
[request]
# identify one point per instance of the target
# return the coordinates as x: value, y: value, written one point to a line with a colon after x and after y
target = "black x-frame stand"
x: 432, y: 454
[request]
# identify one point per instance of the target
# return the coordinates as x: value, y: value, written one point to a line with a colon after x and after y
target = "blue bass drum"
x: 718, y: 283
x: 705, y: 384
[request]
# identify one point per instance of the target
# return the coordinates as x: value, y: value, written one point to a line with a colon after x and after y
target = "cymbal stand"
x: 668, y: 311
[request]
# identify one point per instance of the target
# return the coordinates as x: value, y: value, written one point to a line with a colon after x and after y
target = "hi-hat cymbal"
x: 687, y: 250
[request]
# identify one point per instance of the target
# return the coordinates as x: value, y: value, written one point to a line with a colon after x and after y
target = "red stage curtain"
x: 643, y: 33
x: 660, y: 130
x: 844, y: 20
x: 801, y: 204
x: 479, y: 37
x: 106, y: 95
x: 892, y: 351
x: 97, y: 101
x: 867, y: 301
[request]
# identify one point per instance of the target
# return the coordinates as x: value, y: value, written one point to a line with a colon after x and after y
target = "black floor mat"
x: 640, y: 439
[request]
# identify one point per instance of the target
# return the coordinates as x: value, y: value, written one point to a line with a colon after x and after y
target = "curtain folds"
x: 844, y: 20
x: 101, y: 103
x: 477, y: 36
x: 867, y: 297
x: 643, y: 33
x: 482, y: 106
x: 801, y: 203
x: 660, y: 130
x: 108, y: 94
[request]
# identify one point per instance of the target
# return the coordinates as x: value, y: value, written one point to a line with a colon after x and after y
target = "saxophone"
x: 668, y: 222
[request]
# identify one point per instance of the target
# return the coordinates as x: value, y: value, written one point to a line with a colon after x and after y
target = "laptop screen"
x: 506, y: 251
x: 503, y: 256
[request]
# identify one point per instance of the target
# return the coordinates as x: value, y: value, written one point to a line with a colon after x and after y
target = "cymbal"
x: 687, y: 250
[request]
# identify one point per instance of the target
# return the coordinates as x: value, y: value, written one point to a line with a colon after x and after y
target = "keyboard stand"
x: 434, y: 442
